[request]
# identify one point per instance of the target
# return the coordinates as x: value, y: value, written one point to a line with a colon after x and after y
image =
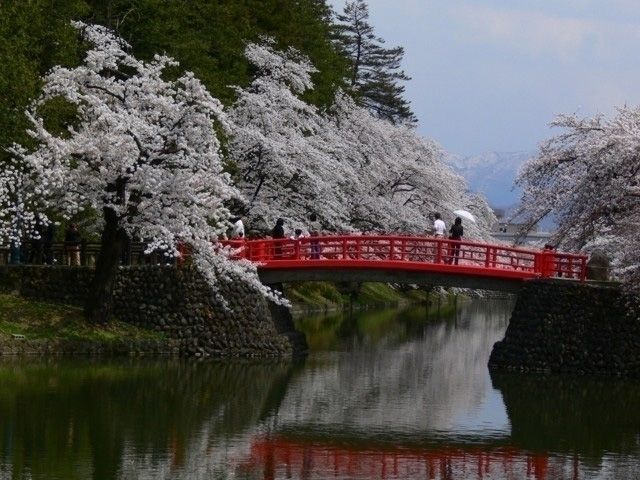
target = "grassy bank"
x: 29, y: 326
x: 328, y: 295
x: 330, y: 330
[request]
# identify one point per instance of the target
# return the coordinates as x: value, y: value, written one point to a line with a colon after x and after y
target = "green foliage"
x: 209, y: 38
x: 58, y: 115
x: 34, y: 36
x: 372, y: 293
x: 315, y: 294
x: 206, y: 37
x: 328, y: 294
x: 375, y: 74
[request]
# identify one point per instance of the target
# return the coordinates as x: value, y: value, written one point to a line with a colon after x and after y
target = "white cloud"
x: 532, y: 32
x: 604, y: 91
x: 495, y: 66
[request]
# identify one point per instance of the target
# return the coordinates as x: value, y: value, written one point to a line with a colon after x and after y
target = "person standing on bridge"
x: 238, y: 228
x: 297, y: 234
x: 278, y: 233
x: 455, y: 233
x: 314, y: 231
x: 438, y: 226
x: 439, y: 248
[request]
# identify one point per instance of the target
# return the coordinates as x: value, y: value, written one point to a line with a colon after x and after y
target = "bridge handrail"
x: 390, y: 250
x: 61, y: 253
x: 397, y: 249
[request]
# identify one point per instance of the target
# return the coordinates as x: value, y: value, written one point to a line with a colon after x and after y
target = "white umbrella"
x: 463, y: 213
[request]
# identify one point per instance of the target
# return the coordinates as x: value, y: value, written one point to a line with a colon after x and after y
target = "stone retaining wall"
x: 579, y: 329
x: 175, y: 301
x: 89, y: 348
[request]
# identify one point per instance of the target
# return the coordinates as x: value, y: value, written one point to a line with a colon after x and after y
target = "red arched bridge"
x: 405, y: 259
x: 279, y: 457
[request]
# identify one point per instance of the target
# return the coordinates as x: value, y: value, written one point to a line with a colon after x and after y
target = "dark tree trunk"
x: 98, y: 306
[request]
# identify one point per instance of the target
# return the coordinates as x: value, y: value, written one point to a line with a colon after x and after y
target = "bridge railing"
x: 425, y: 250
x: 346, y: 249
x: 82, y: 254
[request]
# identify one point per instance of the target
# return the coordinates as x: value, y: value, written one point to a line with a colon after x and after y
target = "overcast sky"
x: 490, y: 75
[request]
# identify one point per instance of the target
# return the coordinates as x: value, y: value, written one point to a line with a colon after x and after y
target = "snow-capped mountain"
x: 492, y: 174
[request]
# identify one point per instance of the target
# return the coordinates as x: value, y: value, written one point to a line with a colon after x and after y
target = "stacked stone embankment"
x: 175, y: 301
x: 571, y: 328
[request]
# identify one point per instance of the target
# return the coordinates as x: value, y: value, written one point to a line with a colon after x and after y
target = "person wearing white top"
x: 238, y: 229
x: 438, y: 226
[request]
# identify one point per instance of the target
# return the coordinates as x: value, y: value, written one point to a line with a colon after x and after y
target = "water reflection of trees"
x: 387, y: 401
x: 76, y: 420
x: 341, y: 330
x: 588, y: 416
x: 409, y: 374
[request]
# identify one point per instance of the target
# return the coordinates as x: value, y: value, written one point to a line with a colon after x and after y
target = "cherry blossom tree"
x: 356, y: 171
x: 401, y: 177
x: 143, y: 154
x: 282, y: 172
x: 588, y: 178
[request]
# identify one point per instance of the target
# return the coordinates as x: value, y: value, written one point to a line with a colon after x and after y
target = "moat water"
x: 384, y: 394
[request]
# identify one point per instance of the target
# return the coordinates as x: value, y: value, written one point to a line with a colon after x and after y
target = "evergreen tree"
x: 375, y: 73
x: 206, y: 37
x: 209, y: 37
x: 34, y: 36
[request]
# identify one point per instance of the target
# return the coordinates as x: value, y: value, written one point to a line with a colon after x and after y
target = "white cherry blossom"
x: 143, y: 155
x: 356, y: 171
x: 588, y: 178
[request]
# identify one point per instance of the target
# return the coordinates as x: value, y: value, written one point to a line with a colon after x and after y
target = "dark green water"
x: 385, y: 394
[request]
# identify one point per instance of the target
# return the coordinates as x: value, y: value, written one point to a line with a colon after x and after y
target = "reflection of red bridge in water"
x: 282, y: 458
x: 304, y: 259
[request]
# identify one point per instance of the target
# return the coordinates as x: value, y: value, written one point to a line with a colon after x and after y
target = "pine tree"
x: 375, y: 73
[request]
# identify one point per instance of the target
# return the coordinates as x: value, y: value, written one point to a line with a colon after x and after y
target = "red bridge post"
x: 548, y: 260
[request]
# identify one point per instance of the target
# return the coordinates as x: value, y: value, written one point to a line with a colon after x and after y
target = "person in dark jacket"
x: 455, y: 233
x: 36, y: 245
x: 314, y: 231
x: 278, y: 232
x: 72, y: 241
x: 47, y: 243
